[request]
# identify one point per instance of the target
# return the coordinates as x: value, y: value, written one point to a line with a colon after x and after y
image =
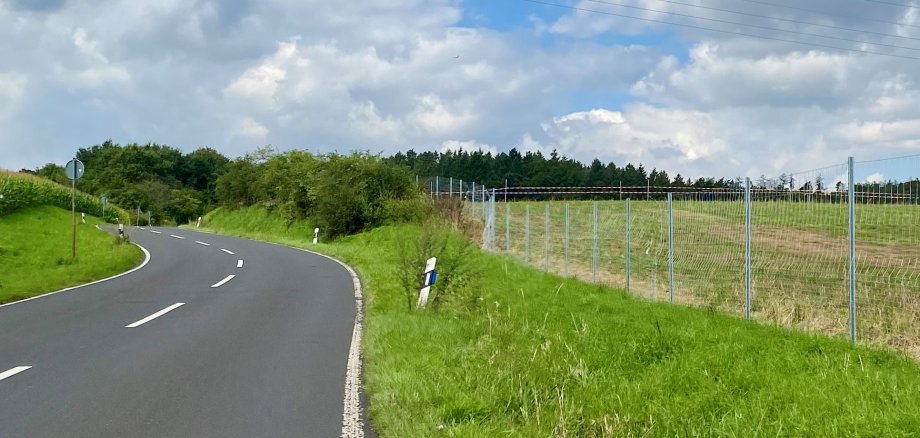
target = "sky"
x: 698, y: 87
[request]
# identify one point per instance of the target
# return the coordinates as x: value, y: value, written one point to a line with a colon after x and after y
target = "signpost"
x: 74, y: 171
x: 105, y: 202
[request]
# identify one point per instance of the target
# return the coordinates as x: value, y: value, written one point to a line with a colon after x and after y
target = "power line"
x: 832, y: 14
x: 894, y: 4
x: 755, y: 26
x: 788, y: 20
x: 730, y: 32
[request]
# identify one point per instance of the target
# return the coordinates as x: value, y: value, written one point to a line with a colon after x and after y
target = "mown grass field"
x: 799, y: 258
x: 543, y: 355
x: 35, y: 252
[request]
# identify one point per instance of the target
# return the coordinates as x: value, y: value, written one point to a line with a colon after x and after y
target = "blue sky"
x: 381, y: 75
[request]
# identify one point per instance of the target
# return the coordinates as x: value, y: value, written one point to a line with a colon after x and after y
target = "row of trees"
x: 155, y: 178
x: 533, y: 169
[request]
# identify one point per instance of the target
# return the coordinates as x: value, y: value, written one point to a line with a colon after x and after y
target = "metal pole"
x: 546, y: 238
x: 670, y: 248
x: 566, y: 268
x: 474, y: 192
x: 506, y: 189
x: 437, y: 186
x: 851, y: 199
x: 747, y: 249
x: 507, y: 227
x: 594, y: 248
x: 73, y: 209
x: 628, y: 236
x: 527, y: 234
x: 450, y: 190
x: 461, y: 190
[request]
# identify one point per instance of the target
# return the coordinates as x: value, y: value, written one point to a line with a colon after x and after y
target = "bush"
x: 356, y: 192
x: 457, y: 282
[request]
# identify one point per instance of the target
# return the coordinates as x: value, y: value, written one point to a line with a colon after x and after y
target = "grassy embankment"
x: 548, y: 356
x: 799, y: 259
x: 35, y: 240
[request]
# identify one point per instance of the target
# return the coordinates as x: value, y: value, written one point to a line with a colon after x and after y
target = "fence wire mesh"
x: 690, y: 245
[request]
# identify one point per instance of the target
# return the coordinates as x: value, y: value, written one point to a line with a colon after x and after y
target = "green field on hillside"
x: 35, y: 252
x: 799, y: 258
x: 535, y: 354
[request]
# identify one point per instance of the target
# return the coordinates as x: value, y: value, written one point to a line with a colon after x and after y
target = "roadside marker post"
x: 315, y: 236
x: 199, y: 222
x: 431, y: 276
x: 83, y: 216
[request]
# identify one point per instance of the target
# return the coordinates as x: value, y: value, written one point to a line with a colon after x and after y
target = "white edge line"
x: 155, y: 232
x: 239, y: 263
x: 224, y: 281
x: 142, y: 228
x: 227, y: 251
x: 202, y: 243
x: 154, y: 316
x: 13, y: 371
x: 177, y: 237
x: 144, y: 263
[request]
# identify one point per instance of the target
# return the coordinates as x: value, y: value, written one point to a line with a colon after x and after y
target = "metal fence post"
x: 461, y: 191
x: 566, y: 238
x: 628, y: 236
x: 594, y: 248
x: 670, y: 248
x: 437, y: 186
x: 527, y: 233
x: 851, y: 200
x: 747, y: 249
x: 450, y: 190
x: 474, y: 193
x: 507, y: 227
x: 546, y: 238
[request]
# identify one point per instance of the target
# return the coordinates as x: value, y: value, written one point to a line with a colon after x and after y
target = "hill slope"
x: 35, y: 250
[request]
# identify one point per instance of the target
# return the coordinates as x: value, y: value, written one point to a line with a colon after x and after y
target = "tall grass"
x: 542, y: 355
x: 22, y: 191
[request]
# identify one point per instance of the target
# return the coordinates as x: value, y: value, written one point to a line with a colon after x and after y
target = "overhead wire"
x: 729, y: 32
x: 831, y: 14
x: 769, y: 17
x: 894, y: 4
x: 755, y: 26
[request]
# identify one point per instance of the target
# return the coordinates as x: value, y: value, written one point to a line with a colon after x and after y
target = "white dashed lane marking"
x: 13, y: 371
x: 224, y: 281
x: 154, y: 316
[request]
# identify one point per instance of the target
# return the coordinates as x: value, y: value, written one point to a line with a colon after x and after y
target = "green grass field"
x: 799, y: 258
x: 35, y: 253
x: 542, y: 355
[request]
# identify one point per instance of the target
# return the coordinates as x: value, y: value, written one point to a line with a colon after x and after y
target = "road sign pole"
x: 73, y: 211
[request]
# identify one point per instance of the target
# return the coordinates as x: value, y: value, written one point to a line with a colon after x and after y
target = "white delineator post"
x: 199, y: 222
x: 430, y: 277
x: 315, y: 236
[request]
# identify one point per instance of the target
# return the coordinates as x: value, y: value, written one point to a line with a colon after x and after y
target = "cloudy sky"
x: 705, y: 98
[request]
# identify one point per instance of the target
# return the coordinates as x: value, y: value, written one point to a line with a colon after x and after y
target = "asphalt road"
x: 180, y: 349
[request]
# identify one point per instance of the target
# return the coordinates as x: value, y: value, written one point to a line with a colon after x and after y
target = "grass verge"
x: 35, y: 253
x: 542, y: 355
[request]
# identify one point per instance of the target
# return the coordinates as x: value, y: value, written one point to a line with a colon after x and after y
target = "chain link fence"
x: 833, y: 250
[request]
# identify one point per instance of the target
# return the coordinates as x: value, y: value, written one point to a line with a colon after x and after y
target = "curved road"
x: 180, y: 348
